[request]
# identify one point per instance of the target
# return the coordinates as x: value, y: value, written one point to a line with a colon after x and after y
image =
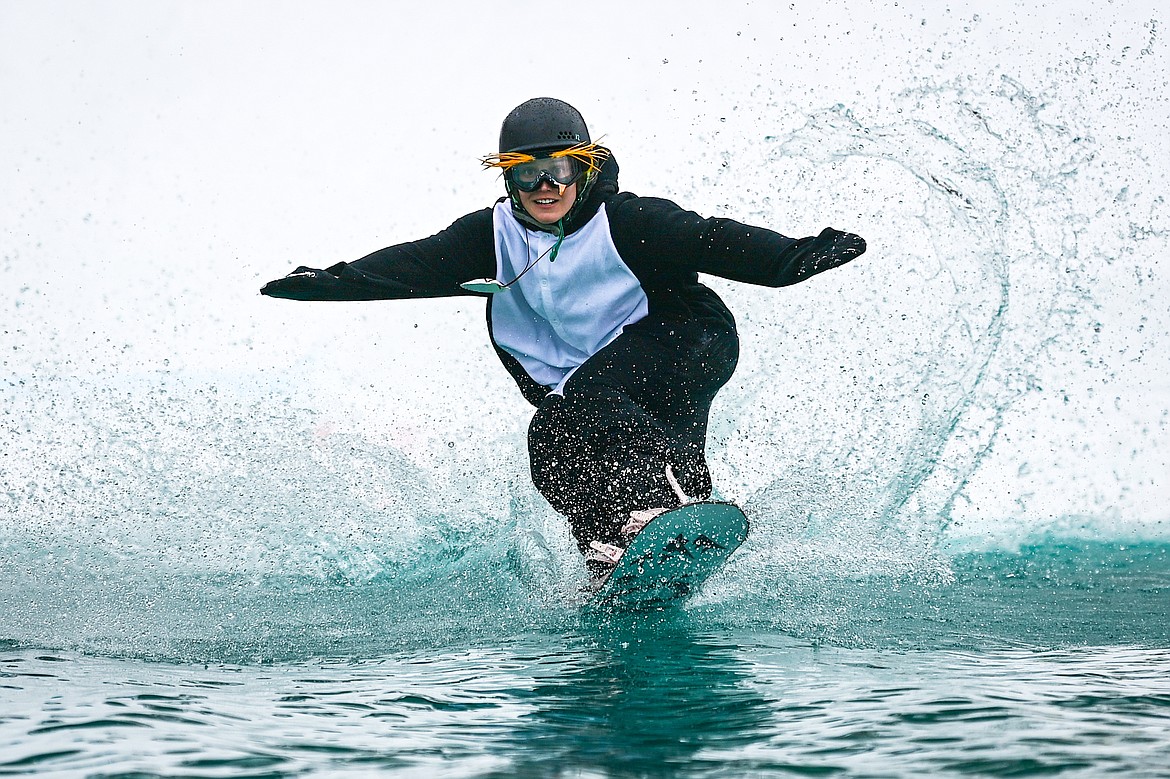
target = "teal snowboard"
x: 673, y: 555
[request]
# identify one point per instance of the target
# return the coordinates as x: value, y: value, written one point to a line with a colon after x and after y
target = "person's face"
x: 546, y: 204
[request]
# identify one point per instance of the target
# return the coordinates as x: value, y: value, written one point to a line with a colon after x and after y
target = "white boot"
x: 601, y: 552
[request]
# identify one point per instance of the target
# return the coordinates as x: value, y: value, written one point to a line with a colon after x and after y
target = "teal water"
x: 1050, y: 660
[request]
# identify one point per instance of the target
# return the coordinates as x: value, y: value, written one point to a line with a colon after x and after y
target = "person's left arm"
x: 665, y: 236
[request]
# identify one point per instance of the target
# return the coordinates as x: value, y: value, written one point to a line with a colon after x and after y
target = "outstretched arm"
x: 668, y: 237
x: 431, y: 267
x: 810, y: 256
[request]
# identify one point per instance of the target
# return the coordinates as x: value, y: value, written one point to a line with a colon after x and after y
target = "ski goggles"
x: 557, y: 171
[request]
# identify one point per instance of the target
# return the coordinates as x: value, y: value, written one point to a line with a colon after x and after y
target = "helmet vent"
x: 568, y: 136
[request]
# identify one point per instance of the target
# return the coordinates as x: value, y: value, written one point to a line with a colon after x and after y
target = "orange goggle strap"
x: 590, y: 155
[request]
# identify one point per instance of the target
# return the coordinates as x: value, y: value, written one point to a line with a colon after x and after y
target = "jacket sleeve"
x: 428, y: 268
x: 658, y: 234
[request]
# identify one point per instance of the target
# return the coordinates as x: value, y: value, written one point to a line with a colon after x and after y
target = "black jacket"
x: 663, y: 245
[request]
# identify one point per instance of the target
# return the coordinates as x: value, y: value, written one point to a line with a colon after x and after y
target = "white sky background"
x: 159, y: 161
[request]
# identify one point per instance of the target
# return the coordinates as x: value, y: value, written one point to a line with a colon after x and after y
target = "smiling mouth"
x: 546, y: 201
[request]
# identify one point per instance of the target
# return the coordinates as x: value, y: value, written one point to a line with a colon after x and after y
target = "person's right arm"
x: 428, y: 268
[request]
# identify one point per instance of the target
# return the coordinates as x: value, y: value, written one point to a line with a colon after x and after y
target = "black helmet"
x: 540, y: 124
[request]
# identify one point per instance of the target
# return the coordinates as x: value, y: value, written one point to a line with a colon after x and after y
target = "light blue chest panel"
x: 561, y: 313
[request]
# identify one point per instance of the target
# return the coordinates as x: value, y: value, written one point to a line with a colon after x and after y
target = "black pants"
x: 600, y: 451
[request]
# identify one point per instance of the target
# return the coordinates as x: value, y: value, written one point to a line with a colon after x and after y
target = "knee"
x: 553, y: 438
x: 542, y: 438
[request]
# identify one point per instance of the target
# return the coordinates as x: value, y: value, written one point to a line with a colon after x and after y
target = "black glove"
x: 828, y: 250
x: 306, y: 284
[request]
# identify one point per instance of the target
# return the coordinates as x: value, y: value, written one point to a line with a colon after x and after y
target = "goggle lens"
x: 555, y: 170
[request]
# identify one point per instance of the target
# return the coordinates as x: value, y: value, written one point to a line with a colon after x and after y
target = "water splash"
x: 867, y: 402
x: 861, y: 426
